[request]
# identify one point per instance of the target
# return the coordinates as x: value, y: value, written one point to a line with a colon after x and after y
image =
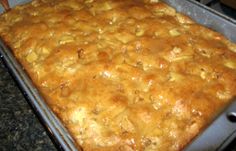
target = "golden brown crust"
x: 123, y: 75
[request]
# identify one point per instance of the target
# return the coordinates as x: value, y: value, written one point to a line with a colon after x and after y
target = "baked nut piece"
x: 123, y: 74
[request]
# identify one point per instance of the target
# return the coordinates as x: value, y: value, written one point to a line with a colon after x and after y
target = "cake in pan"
x: 125, y: 75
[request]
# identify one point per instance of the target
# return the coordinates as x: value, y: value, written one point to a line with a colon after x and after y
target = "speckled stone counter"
x: 20, y: 129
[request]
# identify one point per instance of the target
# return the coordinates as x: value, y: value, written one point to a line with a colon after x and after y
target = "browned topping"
x: 123, y: 74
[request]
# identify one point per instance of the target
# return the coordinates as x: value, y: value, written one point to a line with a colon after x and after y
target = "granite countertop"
x: 20, y: 129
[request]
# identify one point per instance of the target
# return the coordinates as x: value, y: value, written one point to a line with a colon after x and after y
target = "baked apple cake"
x: 126, y: 75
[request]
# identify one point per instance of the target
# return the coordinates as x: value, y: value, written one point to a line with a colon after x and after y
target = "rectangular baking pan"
x: 216, y: 137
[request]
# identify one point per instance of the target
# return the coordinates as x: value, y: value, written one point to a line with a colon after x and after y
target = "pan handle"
x: 219, y: 134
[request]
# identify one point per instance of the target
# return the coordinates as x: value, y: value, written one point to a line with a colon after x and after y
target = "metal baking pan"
x: 216, y: 137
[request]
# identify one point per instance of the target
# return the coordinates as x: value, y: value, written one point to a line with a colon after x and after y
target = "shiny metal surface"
x: 206, y: 16
x: 219, y: 134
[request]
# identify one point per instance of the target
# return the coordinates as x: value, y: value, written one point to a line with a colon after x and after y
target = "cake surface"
x: 123, y: 75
